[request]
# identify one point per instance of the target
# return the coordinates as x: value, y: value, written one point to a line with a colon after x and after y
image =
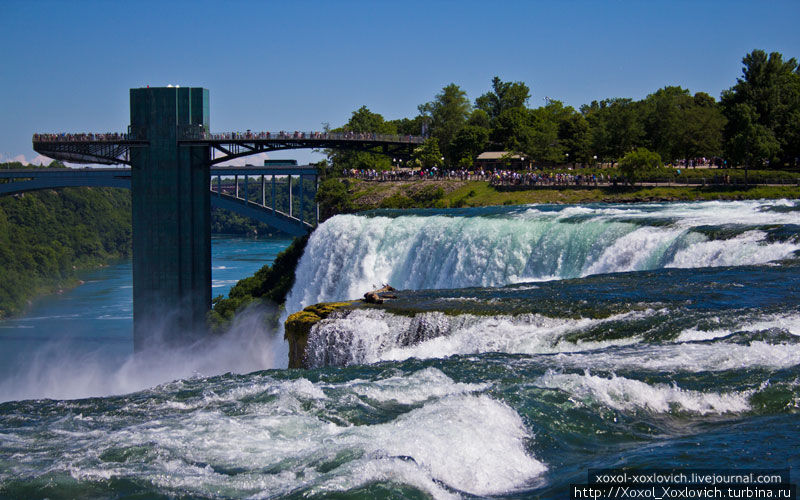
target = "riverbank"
x: 47, y: 237
x: 366, y: 195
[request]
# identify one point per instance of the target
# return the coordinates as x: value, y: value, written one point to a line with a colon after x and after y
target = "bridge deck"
x: 115, y: 148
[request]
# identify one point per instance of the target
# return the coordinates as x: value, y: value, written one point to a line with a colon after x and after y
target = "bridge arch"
x: 39, y: 179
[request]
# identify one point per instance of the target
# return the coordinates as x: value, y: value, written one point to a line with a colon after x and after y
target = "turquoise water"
x: 528, y: 345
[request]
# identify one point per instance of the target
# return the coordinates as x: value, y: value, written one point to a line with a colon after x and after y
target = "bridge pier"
x: 300, y: 198
x: 171, y: 218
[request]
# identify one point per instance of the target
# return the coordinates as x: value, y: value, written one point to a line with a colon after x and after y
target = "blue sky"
x: 293, y: 65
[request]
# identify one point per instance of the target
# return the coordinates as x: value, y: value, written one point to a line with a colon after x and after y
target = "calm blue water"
x: 528, y: 345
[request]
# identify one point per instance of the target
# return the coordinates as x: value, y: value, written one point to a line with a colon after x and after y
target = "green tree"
x: 46, y: 235
x: 763, y: 110
x: 679, y: 125
x: 468, y: 143
x: 512, y: 129
x: 543, y: 143
x: 749, y: 143
x: 615, y: 127
x: 479, y: 118
x: 663, y: 120
x: 636, y: 162
x: 362, y: 120
x: 447, y: 114
x: 503, y: 96
x: 333, y: 198
x: 428, y: 154
x: 703, y: 126
x: 408, y: 126
x: 573, y: 134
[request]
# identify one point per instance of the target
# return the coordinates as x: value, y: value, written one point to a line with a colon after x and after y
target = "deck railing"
x: 195, y: 133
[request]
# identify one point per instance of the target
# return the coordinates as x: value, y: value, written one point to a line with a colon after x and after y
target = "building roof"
x: 498, y: 155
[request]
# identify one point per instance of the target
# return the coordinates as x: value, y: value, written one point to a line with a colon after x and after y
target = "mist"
x: 67, y: 370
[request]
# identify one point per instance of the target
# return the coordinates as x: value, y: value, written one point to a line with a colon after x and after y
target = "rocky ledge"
x: 298, y: 325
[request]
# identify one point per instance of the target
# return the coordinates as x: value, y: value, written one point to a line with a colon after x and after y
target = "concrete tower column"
x: 171, y: 217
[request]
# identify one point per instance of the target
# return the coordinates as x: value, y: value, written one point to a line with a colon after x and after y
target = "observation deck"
x: 115, y: 148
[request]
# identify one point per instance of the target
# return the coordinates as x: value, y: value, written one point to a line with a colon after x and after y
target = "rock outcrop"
x: 298, y: 326
x: 377, y: 296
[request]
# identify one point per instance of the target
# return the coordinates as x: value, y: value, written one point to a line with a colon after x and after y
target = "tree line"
x: 754, y: 124
x: 45, y: 236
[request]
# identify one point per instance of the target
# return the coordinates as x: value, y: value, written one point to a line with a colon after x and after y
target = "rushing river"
x: 528, y: 345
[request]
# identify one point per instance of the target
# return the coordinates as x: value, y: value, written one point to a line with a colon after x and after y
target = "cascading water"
x: 489, y: 247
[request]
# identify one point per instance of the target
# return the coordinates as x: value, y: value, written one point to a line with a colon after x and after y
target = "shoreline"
x: 55, y: 287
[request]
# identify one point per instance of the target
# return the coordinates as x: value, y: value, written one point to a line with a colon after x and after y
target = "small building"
x: 491, y: 160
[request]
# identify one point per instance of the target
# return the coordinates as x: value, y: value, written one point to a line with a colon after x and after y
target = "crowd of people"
x: 352, y: 136
x: 496, y: 177
x: 88, y: 137
x: 512, y: 178
x: 334, y: 136
x: 701, y: 162
x: 200, y: 133
x: 432, y: 173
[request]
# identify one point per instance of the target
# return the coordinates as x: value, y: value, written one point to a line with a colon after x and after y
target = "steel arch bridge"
x: 234, y: 196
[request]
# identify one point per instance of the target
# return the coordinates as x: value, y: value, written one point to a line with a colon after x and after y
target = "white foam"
x: 787, y: 322
x: 415, y: 388
x: 626, y: 394
x: 747, y: 248
x: 687, y: 357
x: 693, y: 334
x: 470, y: 443
x: 372, y: 335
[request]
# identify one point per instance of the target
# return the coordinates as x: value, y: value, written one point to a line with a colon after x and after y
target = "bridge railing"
x: 192, y: 133
x: 90, y: 137
x: 202, y: 135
